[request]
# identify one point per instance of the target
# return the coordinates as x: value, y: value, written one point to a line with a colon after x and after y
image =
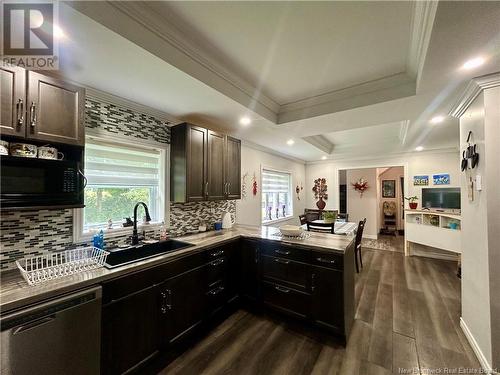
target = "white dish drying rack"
x: 52, y: 266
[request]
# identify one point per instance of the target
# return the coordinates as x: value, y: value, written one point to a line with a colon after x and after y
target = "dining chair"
x: 321, y: 227
x: 302, y: 219
x: 357, y: 244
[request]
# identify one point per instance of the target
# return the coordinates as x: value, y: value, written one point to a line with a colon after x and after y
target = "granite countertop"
x: 16, y: 293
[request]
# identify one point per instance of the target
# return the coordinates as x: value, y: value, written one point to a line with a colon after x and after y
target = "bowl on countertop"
x: 291, y: 230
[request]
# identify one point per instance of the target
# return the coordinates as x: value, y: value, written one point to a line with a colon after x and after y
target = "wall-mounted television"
x: 441, y: 198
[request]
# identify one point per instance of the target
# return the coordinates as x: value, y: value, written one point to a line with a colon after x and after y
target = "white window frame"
x: 286, y: 218
x: 80, y: 236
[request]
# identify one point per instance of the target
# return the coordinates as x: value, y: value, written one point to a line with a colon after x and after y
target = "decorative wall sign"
x: 441, y: 179
x: 388, y: 188
x: 420, y: 180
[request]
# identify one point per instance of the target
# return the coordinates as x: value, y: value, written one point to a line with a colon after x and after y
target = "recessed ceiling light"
x: 58, y: 32
x: 419, y: 148
x: 290, y: 142
x: 323, y: 157
x: 437, y: 119
x: 245, y: 120
x: 473, y: 63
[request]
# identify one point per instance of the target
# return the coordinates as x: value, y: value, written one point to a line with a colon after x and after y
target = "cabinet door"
x: 55, y: 110
x: 327, y: 301
x: 13, y: 108
x: 196, y: 164
x: 131, y: 330
x: 249, y: 274
x: 215, y: 171
x: 185, y: 302
x: 233, y: 168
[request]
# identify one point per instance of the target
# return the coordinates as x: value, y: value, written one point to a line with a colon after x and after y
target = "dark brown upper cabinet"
x: 13, y: 89
x: 41, y: 108
x: 233, y: 168
x: 205, y: 165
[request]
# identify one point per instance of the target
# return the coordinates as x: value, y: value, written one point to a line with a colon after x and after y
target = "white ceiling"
x: 324, y: 46
x: 135, y: 62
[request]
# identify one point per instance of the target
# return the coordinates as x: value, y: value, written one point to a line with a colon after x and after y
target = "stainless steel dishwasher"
x: 60, y: 336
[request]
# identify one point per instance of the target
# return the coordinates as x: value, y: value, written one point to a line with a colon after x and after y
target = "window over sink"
x: 276, y: 195
x: 118, y: 176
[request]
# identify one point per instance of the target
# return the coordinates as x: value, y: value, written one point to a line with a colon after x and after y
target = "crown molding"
x: 108, y: 98
x: 424, y: 13
x: 472, y: 90
x: 258, y: 147
x: 320, y: 142
x: 389, y: 158
x: 380, y: 90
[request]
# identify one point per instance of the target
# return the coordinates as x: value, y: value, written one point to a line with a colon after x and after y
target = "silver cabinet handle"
x: 216, y: 291
x: 166, y: 298
x: 228, y: 187
x: 33, y: 114
x: 217, y: 262
x: 19, y: 112
x: 278, y: 260
x: 206, y: 188
x: 322, y: 260
x: 282, y: 252
x: 281, y: 289
x: 225, y: 188
x: 217, y: 253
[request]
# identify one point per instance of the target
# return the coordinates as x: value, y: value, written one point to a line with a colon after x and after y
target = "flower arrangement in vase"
x: 320, y: 191
x: 360, y: 186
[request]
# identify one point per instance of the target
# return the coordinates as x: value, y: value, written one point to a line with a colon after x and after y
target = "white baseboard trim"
x: 370, y: 236
x: 477, y: 350
x: 433, y: 255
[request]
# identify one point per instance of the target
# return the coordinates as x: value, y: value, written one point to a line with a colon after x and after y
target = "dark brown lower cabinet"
x: 327, y: 298
x: 149, y: 311
x: 184, y: 303
x: 131, y: 330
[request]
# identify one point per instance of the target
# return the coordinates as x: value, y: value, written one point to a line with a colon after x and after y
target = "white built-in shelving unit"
x: 438, y: 229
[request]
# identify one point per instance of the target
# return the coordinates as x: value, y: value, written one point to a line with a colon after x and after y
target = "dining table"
x: 340, y: 227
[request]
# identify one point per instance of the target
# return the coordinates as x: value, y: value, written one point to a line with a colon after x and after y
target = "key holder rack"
x: 470, y: 157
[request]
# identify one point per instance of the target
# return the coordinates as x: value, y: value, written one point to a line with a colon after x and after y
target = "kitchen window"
x: 276, y: 195
x: 118, y: 176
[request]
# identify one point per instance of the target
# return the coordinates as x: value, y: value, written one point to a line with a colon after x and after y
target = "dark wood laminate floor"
x: 407, y: 319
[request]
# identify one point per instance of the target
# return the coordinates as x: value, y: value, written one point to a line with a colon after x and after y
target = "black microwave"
x: 39, y: 183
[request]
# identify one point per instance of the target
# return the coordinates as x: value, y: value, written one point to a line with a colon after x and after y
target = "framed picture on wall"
x: 388, y: 188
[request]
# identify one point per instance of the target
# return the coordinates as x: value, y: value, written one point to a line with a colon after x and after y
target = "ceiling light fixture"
x: 245, y: 120
x: 473, y: 63
x: 419, y: 148
x: 58, y: 32
x: 290, y: 142
x: 323, y: 157
x: 437, y: 119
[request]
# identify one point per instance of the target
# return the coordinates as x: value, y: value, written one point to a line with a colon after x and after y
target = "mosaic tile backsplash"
x: 125, y: 122
x: 25, y: 233
x: 29, y: 233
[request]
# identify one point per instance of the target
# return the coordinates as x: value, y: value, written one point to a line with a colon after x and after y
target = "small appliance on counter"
x: 226, y: 221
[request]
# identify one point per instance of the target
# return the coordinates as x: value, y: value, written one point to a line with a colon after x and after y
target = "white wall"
x: 415, y: 164
x: 365, y: 206
x: 480, y: 229
x: 248, y: 210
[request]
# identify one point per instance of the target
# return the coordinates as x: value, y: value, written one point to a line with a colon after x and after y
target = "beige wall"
x: 248, y: 210
x: 393, y: 173
x: 365, y: 206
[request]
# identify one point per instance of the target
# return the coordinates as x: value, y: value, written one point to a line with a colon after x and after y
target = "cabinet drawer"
x: 287, y: 251
x: 286, y: 299
x: 217, y: 269
x: 289, y: 271
x: 217, y: 295
x: 334, y: 261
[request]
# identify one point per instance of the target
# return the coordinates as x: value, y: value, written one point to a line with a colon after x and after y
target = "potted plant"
x: 412, y: 202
